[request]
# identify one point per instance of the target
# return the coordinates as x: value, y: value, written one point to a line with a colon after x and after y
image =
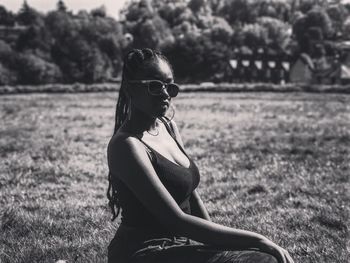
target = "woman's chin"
x: 162, y: 111
x: 161, y: 114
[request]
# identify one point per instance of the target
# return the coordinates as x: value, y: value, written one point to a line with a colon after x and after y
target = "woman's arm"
x: 197, y: 207
x: 128, y: 159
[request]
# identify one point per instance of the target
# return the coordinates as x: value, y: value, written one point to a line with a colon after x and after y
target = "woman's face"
x: 152, y: 105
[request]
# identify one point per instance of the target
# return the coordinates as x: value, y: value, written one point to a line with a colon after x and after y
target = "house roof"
x: 305, y: 58
x: 345, y: 72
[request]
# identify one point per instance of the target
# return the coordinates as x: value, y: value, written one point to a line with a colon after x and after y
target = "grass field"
x: 278, y: 164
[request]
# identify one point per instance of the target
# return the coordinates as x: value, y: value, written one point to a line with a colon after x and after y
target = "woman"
x: 153, y: 181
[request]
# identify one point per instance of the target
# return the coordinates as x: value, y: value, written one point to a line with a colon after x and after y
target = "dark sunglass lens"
x: 155, y: 87
x: 173, y: 89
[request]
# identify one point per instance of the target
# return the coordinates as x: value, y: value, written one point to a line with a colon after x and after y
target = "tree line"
x: 198, y: 36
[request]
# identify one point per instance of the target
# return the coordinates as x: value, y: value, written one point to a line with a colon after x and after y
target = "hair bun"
x: 148, y: 53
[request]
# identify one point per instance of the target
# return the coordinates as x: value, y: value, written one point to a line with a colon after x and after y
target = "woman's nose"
x: 164, y: 92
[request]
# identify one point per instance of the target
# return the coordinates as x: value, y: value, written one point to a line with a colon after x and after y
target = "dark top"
x: 178, y: 180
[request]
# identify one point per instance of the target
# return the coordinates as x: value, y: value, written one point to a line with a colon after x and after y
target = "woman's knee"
x: 255, y: 257
x: 266, y: 258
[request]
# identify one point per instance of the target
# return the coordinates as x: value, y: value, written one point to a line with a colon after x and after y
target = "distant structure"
x: 11, y: 33
x: 302, y: 70
x: 260, y: 65
x: 345, y: 74
x: 269, y: 66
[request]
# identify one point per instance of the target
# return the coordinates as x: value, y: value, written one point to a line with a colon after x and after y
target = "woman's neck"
x: 140, y: 122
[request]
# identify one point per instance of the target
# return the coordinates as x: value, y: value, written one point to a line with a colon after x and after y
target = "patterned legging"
x: 187, y: 251
x: 126, y: 247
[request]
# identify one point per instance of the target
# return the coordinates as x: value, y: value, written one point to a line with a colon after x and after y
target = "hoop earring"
x: 171, y: 116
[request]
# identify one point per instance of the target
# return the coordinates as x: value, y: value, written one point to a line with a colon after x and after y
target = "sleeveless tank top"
x: 178, y: 180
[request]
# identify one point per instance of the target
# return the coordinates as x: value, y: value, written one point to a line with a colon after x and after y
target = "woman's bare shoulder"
x: 123, y: 147
x: 173, y: 124
x: 174, y: 127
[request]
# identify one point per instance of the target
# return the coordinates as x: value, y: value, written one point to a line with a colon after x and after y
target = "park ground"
x: 275, y: 163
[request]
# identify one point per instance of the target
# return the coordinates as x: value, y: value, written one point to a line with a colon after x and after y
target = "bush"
x: 206, y: 87
x: 35, y: 70
x: 7, y: 76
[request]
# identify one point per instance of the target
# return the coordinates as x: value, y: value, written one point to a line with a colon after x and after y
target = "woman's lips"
x: 164, y: 103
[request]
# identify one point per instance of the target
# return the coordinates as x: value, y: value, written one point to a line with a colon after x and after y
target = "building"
x: 302, y: 70
x: 260, y: 65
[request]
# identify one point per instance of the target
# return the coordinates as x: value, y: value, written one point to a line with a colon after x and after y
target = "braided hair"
x: 135, y: 61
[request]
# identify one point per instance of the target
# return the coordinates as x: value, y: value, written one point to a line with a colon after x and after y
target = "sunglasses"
x: 155, y: 87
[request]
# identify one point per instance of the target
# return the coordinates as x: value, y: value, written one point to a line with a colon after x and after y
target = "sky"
x: 112, y: 6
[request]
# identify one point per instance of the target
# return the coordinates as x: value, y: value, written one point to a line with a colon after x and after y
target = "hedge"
x: 219, y: 87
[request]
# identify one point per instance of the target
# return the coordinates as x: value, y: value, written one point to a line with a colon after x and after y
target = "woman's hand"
x: 281, y: 254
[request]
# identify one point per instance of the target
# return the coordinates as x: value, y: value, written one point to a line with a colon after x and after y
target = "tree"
x: 338, y: 14
x: 315, y: 33
x: 346, y: 29
x: 137, y: 11
x: 99, y: 12
x: 28, y: 16
x: 198, y: 58
x: 238, y: 11
x: 221, y: 30
x: 35, y: 70
x: 8, y: 59
x: 196, y: 5
x: 252, y: 36
x: 6, y: 17
x: 278, y: 32
x: 216, y: 6
x: 62, y: 25
x: 175, y: 13
x: 7, y: 76
x: 87, y: 48
x: 61, y: 6
x: 186, y: 56
x: 315, y: 18
x: 306, y: 5
x: 152, y: 33
x: 107, y: 34
x: 35, y: 37
x: 347, y: 7
x: 279, y: 9
x: 320, y: 18
x: 184, y: 29
x: 300, y: 33
x: 147, y: 27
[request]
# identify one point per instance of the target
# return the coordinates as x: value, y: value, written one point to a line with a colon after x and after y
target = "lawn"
x: 274, y: 163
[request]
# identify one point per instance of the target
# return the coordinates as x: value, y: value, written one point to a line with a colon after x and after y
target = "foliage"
x: 89, y: 46
x: 338, y: 15
x: 278, y: 9
x: 7, y: 76
x: 35, y: 70
x: 252, y: 35
x: 346, y: 28
x: 36, y: 36
x: 28, y: 16
x: 313, y: 19
x: 61, y: 6
x: 100, y: 11
x: 190, y: 53
x: 278, y: 32
x: 221, y: 30
x: 6, y: 17
x: 9, y: 88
